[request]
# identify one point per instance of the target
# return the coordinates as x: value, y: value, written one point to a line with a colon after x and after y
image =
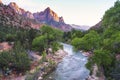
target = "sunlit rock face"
x: 46, y: 16
x: 21, y: 11
x: 16, y: 8
x: 51, y: 18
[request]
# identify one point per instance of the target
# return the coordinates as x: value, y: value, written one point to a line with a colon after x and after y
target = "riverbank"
x: 45, y: 67
x: 87, y: 54
x: 39, y: 67
x: 96, y: 74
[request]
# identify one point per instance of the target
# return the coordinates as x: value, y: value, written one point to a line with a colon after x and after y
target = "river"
x: 72, y: 66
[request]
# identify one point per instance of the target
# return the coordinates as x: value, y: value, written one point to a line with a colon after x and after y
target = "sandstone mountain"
x: 8, y: 16
x: 47, y: 16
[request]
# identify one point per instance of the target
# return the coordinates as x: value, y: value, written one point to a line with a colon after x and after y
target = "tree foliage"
x: 16, y: 59
x: 68, y: 36
x: 15, y: 34
x: 39, y: 43
x: 102, y: 58
x: 89, y: 42
x: 105, y: 44
x: 49, y: 38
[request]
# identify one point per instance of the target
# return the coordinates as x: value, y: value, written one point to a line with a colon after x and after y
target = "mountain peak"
x: 47, y: 15
x: 48, y: 9
x: 13, y: 4
x: 18, y: 10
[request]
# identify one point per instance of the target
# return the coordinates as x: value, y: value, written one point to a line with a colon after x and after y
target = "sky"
x: 79, y: 12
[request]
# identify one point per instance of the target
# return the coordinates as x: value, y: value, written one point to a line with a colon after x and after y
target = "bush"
x: 15, y: 59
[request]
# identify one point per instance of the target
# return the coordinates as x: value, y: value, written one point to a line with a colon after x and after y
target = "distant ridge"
x: 80, y: 27
x: 47, y: 16
x: 34, y: 20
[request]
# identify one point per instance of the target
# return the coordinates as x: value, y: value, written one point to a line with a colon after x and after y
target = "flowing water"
x: 72, y: 66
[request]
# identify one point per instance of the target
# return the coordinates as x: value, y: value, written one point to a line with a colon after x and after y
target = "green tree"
x: 89, y: 42
x: 102, y: 57
x: 49, y: 38
x: 77, y: 33
x: 16, y: 59
x: 78, y: 43
x: 111, y: 17
x: 39, y: 43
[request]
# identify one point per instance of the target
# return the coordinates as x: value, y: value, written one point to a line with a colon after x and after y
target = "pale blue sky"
x: 80, y: 12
